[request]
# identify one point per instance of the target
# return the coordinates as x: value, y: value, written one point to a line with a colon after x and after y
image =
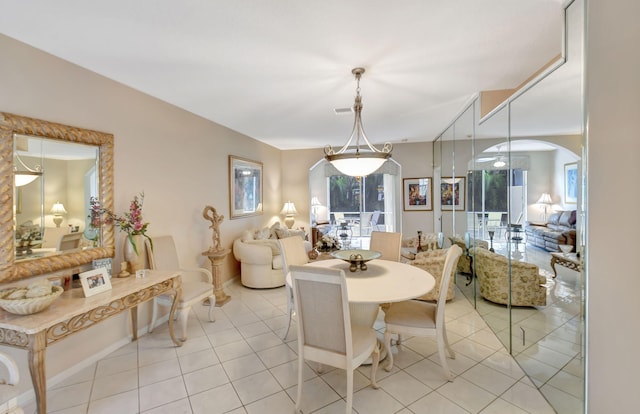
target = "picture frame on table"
x: 571, y: 183
x: 95, y: 281
x: 452, y: 193
x: 245, y: 187
x: 417, y: 194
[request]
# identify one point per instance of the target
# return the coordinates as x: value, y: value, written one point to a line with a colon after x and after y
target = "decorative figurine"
x: 210, y: 213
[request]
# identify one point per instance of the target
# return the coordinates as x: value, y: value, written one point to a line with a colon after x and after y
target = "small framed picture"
x: 95, y: 281
x: 452, y: 193
x: 417, y: 194
x: 106, y: 263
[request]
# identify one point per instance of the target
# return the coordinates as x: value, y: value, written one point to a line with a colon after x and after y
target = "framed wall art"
x: 571, y: 183
x: 95, y: 281
x: 417, y: 194
x: 245, y: 187
x: 452, y: 193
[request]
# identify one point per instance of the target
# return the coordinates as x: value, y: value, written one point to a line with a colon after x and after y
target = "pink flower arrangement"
x: 130, y: 222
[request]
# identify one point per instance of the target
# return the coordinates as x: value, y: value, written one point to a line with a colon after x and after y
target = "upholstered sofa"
x: 433, y: 262
x: 492, y: 270
x: 259, y: 255
x: 559, y: 229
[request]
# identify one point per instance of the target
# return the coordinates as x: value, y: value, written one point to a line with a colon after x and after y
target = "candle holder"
x: 419, y: 248
x: 491, y: 233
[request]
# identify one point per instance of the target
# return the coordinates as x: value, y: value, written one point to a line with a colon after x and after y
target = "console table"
x: 72, y: 312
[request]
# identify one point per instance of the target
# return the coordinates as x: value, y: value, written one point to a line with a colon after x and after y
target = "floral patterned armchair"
x: 433, y: 262
x: 492, y: 272
x: 464, y: 264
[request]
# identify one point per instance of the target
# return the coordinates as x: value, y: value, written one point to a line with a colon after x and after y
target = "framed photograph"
x: 571, y: 183
x: 245, y: 187
x: 106, y: 263
x: 452, y: 193
x: 417, y: 194
x: 95, y: 281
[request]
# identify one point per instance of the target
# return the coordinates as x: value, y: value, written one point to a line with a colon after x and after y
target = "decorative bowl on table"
x: 357, y: 258
x: 15, y: 300
x: 566, y: 248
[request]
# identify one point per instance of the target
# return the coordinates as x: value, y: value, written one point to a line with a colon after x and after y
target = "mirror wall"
x: 510, y: 158
x: 39, y: 207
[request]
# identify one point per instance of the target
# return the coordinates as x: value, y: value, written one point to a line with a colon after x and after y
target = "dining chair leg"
x: 298, y: 408
x: 349, y: 390
x: 450, y: 350
x: 212, y: 305
x: 387, y: 346
x: 375, y: 360
x: 289, y: 310
x: 443, y: 358
x: 184, y: 316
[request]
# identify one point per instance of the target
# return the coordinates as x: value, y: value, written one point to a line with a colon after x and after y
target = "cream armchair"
x: 492, y: 270
x: 260, y: 263
x: 259, y: 255
x: 433, y: 262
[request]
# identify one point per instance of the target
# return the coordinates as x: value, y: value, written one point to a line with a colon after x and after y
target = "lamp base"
x: 288, y: 221
x: 57, y: 220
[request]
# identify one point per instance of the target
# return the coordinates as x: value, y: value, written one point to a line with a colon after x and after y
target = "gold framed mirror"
x: 11, y: 124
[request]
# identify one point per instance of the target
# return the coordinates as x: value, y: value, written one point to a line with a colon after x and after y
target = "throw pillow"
x: 282, y: 233
x: 272, y: 230
x: 273, y: 244
x: 247, y: 235
x: 262, y: 234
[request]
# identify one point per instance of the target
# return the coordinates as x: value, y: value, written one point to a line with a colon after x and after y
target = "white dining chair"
x: 293, y: 253
x: 325, y: 332
x: 8, y: 386
x: 197, y: 283
x: 418, y: 318
x: 387, y: 243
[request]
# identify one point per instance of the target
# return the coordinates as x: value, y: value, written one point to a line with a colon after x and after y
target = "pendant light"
x: 357, y: 162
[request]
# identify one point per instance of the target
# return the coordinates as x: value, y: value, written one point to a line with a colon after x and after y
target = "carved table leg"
x: 172, y: 313
x: 553, y: 266
x: 37, y: 349
x: 134, y: 323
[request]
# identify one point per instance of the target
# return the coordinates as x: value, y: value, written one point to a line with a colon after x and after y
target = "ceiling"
x: 276, y: 69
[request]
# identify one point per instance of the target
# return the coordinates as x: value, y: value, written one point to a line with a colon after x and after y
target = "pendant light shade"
x: 358, y: 162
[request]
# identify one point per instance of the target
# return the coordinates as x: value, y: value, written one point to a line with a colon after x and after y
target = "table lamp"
x: 289, y: 211
x: 58, y: 210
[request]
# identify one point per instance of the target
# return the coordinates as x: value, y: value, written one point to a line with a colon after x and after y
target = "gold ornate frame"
x: 11, y: 124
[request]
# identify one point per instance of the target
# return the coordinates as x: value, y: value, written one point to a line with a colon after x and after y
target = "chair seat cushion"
x: 411, y: 313
x: 193, y: 290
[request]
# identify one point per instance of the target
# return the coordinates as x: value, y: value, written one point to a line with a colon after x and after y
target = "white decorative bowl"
x: 27, y: 306
x: 566, y: 248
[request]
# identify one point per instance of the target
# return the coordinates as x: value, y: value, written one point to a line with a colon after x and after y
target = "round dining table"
x: 384, y: 281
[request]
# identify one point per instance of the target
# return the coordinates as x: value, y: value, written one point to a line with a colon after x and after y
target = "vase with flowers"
x: 327, y: 244
x: 132, y: 223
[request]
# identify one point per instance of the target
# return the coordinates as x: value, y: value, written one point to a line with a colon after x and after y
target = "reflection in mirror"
x: 519, y: 153
x: 61, y: 199
x: 56, y: 201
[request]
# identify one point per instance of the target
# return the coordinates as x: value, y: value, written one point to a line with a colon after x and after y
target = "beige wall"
x: 613, y: 105
x: 178, y: 159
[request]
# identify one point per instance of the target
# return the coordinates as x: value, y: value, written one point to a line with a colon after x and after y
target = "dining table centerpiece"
x: 327, y: 244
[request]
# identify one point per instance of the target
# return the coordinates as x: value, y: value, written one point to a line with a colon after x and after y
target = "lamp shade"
x: 58, y: 209
x: 289, y: 209
x: 315, y: 202
x: 358, y: 166
x: 545, y: 198
x: 25, y: 177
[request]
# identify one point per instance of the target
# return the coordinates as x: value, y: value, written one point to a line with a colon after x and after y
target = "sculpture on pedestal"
x: 216, y: 254
x: 210, y: 213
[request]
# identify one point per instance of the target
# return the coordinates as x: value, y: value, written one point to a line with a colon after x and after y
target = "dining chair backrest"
x: 69, y: 241
x: 324, y: 324
x: 293, y: 252
x: 166, y: 254
x: 387, y: 243
x: 450, y: 263
x: 339, y: 218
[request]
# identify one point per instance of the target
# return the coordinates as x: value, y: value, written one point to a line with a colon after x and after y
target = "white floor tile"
x: 256, y: 386
x: 161, y: 393
x: 126, y: 402
x: 215, y: 401
x: 205, y: 379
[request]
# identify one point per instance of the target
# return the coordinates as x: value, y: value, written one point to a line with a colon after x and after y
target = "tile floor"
x: 240, y: 364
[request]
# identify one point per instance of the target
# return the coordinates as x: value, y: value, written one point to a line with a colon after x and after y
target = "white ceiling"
x: 276, y: 69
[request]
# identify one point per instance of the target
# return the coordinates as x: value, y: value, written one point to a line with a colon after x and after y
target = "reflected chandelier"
x: 354, y: 162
